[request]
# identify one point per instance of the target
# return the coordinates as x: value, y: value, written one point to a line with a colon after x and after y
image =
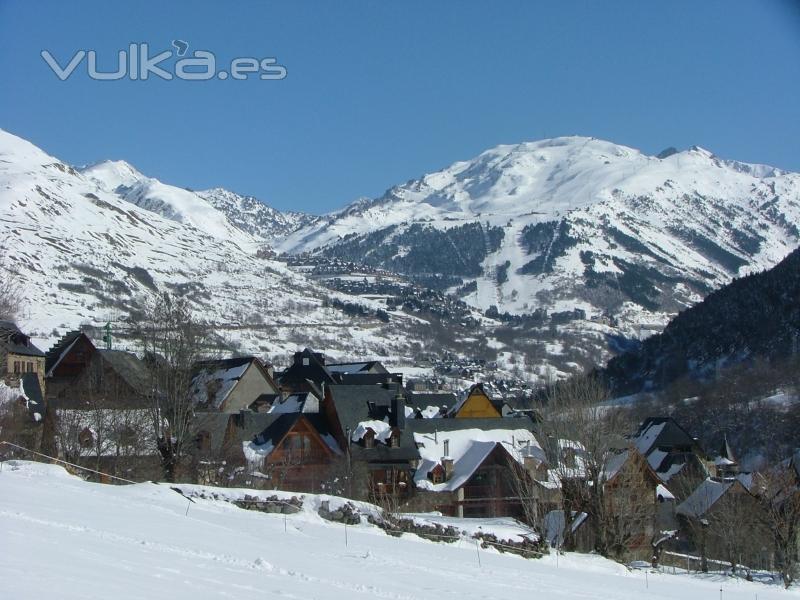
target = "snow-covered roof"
x: 644, y: 441
x: 9, y: 394
x: 663, y: 493
x: 381, y: 429
x: 468, y: 448
x: 296, y: 403
x: 215, y: 380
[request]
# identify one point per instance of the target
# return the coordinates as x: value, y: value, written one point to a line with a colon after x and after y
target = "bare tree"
x: 10, y: 290
x: 173, y: 340
x: 583, y: 437
x: 781, y: 505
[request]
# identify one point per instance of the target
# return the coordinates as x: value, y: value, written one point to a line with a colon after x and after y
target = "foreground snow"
x: 61, y: 537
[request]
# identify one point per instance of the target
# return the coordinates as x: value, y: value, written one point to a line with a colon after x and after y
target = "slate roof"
x: 702, y: 499
x: 357, y: 403
x: 14, y: 341
x: 128, y: 366
x: 662, y: 432
x: 422, y: 400
x: 367, y: 378
x: 370, y: 366
x: 302, y: 402
x: 315, y: 370
x: 223, y: 373
x: 216, y: 424
x: 32, y: 389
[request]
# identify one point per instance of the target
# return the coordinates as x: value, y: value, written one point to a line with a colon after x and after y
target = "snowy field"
x: 64, y: 538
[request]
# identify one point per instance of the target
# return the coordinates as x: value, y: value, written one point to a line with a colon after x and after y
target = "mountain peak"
x: 113, y: 174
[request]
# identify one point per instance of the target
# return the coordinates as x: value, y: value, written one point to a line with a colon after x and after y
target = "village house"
x: 311, y: 371
x: 19, y: 355
x: 22, y: 385
x: 478, y: 467
x: 100, y: 408
x: 673, y: 454
x: 307, y: 369
x: 369, y: 421
x: 80, y: 375
x: 478, y: 404
x: 232, y: 384
x: 724, y: 519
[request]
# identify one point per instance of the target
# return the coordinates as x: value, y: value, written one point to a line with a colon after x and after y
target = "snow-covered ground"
x: 61, y: 537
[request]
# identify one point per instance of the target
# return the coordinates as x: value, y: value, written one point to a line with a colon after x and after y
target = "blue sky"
x: 378, y: 93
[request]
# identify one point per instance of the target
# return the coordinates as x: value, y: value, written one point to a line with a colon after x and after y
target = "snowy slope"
x: 92, y: 247
x: 174, y: 203
x: 583, y: 223
x: 253, y: 216
x: 61, y: 537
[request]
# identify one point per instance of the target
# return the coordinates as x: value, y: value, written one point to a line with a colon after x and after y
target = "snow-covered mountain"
x: 92, y: 246
x: 201, y: 209
x: 537, y: 230
x: 253, y: 216
x: 575, y: 222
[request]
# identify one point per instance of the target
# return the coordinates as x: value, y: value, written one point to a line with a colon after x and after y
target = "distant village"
x: 361, y: 431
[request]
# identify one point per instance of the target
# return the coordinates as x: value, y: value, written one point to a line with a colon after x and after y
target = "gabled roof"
x: 703, y: 498
x: 370, y: 366
x: 14, y: 341
x: 302, y: 402
x: 61, y: 348
x: 468, y: 449
x: 657, y: 432
x: 315, y: 370
x: 216, y: 425
x: 270, y: 437
x: 479, y: 388
x: 214, y: 380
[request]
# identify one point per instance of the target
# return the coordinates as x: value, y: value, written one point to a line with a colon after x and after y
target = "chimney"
x: 447, y: 461
x: 399, y: 410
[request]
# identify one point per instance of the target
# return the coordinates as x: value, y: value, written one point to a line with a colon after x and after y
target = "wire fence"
x: 65, y: 462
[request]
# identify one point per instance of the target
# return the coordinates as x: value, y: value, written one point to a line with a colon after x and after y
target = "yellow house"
x: 477, y: 405
x: 18, y: 355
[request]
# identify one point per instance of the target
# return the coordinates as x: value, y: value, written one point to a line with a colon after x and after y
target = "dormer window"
x: 394, y: 440
x: 369, y: 439
x: 436, y: 474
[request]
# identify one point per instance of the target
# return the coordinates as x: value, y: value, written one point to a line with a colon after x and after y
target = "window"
x: 297, y: 447
x: 17, y: 366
